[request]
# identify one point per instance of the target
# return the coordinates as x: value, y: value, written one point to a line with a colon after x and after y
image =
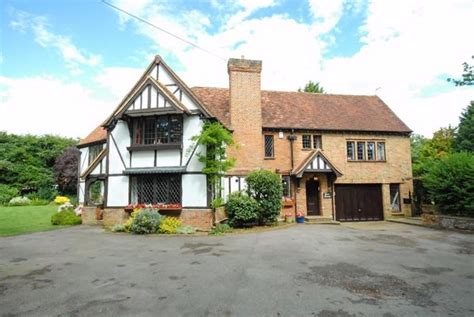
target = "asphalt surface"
x: 363, y: 269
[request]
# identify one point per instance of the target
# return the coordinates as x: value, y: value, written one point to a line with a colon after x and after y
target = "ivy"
x: 216, y: 139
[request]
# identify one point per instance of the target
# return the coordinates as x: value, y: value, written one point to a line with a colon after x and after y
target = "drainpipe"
x: 292, y: 138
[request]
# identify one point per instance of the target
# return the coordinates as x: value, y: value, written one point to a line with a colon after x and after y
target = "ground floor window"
x: 156, y: 189
x: 395, y: 197
x: 285, y: 181
x: 95, y: 192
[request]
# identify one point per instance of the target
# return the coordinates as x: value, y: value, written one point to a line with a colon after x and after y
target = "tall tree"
x: 467, y: 78
x: 464, y: 140
x: 313, y: 87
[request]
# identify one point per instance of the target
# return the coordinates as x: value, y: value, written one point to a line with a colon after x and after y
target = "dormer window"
x: 164, y: 129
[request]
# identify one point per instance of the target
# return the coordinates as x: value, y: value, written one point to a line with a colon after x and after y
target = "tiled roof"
x: 97, y: 135
x: 300, y: 110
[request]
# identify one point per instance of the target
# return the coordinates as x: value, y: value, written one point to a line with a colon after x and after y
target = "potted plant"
x: 289, y: 217
x: 300, y: 217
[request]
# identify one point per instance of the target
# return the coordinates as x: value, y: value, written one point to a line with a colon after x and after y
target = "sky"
x: 66, y: 64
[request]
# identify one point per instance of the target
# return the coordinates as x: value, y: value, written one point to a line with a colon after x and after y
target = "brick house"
x: 341, y: 157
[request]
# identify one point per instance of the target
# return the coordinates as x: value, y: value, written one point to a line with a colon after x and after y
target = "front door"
x: 312, y: 197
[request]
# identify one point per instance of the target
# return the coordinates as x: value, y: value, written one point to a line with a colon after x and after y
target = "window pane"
x: 155, y: 189
x: 176, y: 129
x: 350, y: 151
x: 306, y: 141
x: 137, y: 130
x: 395, y: 197
x: 285, y: 181
x: 371, y: 151
x: 162, y: 130
x: 149, y: 133
x: 381, y: 151
x: 269, y: 146
x: 361, y: 151
x: 94, y: 152
x: 317, y: 143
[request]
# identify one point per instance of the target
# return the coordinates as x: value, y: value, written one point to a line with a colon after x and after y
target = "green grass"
x: 26, y: 219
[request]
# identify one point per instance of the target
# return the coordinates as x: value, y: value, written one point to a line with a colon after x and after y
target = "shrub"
x: 7, y: 193
x: 450, y: 184
x: 146, y: 221
x: 185, y: 230
x: 47, y: 192
x: 19, y: 201
x: 220, y: 229
x: 128, y: 224
x: 65, y: 217
x: 242, y: 210
x: 265, y: 187
x: 66, y: 206
x: 118, y: 228
x: 169, y: 225
x: 59, y: 200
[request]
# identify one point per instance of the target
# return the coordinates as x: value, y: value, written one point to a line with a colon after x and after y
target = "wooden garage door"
x: 359, y: 202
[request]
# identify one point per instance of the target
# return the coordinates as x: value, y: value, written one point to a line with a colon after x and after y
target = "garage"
x: 359, y: 202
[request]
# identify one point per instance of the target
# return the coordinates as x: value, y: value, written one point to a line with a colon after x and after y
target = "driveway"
x: 361, y: 269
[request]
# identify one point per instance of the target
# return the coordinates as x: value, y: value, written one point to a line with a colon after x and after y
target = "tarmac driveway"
x: 362, y: 269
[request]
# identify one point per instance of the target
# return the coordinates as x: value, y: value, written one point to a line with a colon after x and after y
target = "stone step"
x: 320, y: 220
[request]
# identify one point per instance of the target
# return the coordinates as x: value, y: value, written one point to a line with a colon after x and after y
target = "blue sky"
x: 73, y: 61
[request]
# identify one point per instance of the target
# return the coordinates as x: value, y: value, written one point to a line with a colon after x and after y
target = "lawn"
x: 25, y: 219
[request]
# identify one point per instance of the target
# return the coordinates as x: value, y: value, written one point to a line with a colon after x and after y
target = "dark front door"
x: 312, y: 197
x: 359, y: 202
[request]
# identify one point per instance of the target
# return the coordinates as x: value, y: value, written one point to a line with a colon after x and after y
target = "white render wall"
x: 117, y: 191
x: 81, y: 192
x: 192, y: 126
x: 84, y: 159
x: 194, y: 192
x: 122, y: 137
x: 232, y: 186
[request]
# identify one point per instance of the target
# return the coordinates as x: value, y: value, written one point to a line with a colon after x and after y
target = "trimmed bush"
x: 242, y: 210
x: 450, y: 184
x: 265, y: 187
x: 19, y: 201
x: 7, y: 193
x: 146, y: 221
x: 65, y: 217
x: 170, y: 225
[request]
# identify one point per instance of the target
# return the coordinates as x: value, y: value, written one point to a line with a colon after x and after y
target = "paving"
x: 359, y: 269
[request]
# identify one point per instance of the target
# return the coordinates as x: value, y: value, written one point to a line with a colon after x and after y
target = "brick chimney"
x: 246, y: 113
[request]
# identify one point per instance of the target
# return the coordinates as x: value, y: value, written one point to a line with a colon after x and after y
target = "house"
x: 342, y: 157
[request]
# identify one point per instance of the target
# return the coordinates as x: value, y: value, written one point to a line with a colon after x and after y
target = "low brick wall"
x: 89, y: 216
x: 448, y: 222
x: 197, y: 218
x: 114, y: 216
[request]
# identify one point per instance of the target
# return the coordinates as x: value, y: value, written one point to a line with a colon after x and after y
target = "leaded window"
x: 269, y: 146
x: 94, y: 151
x: 370, y: 151
x: 306, y: 139
x: 285, y: 181
x: 317, y: 142
x: 158, y: 130
x: 381, y: 151
x: 361, y: 151
x: 156, y: 189
x: 350, y: 150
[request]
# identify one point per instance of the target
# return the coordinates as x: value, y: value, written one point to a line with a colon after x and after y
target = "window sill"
x: 151, y: 147
x: 365, y: 161
x: 268, y: 158
x: 306, y: 149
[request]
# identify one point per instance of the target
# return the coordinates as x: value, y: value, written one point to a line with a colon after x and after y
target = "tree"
x: 467, y: 76
x: 65, y: 170
x: 464, y: 140
x: 313, y: 87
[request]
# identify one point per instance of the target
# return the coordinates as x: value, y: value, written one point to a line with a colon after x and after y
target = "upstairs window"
x: 365, y: 151
x: 94, y: 152
x: 312, y: 141
x: 158, y: 130
x: 317, y: 142
x: 306, y: 139
x: 269, y: 146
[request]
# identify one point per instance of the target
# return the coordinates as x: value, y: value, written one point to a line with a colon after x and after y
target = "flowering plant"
x: 59, y: 200
x: 300, y: 214
x: 65, y: 206
x: 154, y: 206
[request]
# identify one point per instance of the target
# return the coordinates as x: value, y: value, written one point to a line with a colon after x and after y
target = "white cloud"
x: 326, y: 14
x: 44, y: 105
x: 73, y: 56
x: 118, y: 80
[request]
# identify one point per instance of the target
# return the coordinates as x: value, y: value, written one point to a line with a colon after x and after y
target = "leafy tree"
x: 467, y: 76
x: 216, y: 139
x: 313, y: 87
x: 450, y: 183
x: 464, y: 140
x: 266, y: 188
x: 65, y: 170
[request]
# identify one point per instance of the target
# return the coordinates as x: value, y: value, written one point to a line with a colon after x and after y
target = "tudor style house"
x: 340, y: 157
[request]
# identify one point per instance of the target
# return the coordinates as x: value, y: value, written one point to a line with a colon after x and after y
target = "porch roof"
x: 155, y: 170
x: 316, y: 161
